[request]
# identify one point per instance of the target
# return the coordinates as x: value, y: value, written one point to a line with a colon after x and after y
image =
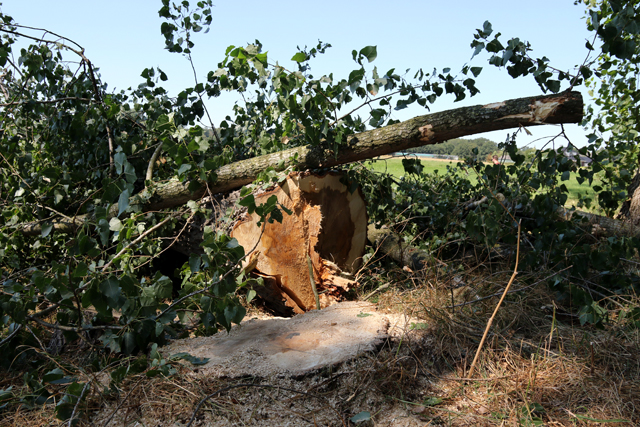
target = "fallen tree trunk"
x: 603, y: 225
x: 391, y: 244
x: 565, y: 107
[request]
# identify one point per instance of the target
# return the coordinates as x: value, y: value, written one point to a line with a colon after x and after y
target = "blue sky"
x: 123, y: 37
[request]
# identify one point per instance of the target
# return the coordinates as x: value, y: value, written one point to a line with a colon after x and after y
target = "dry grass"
x: 538, y: 366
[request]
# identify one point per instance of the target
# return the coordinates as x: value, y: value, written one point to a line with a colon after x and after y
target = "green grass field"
x: 394, y: 167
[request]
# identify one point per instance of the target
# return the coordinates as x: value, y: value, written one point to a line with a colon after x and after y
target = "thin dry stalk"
x: 486, y: 331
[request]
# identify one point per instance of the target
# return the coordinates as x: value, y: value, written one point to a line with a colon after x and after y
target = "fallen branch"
x: 392, y: 245
x: 429, y: 129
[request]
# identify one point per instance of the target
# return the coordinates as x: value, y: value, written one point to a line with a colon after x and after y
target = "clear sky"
x: 123, y: 37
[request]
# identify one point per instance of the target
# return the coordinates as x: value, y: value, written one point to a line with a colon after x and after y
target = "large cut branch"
x: 429, y: 129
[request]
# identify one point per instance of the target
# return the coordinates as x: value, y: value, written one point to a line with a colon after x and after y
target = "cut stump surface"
x: 295, y: 346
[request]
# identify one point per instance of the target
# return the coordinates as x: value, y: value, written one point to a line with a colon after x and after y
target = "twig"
x: 75, y: 408
x: 313, y: 282
x: 204, y: 105
x: 106, y: 423
x: 37, y: 339
x: 71, y: 328
x: 486, y: 331
x: 140, y: 237
x: 378, y: 289
x: 152, y: 161
x: 195, y: 412
x: 46, y: 101
x: 11, y: 335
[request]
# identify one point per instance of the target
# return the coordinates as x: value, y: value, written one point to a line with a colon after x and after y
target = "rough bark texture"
x: 327, y: 227
x: 390, y: 244
x: 604, y: 226
x: 429, y: 129
x: 630, y: 209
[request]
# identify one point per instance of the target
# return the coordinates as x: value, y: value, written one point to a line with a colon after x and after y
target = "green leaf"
x: 123, y: 202
x: 103, y: 230
x: 369, y: 52
x: 81, y: 270
x: 299, y: 57
x: 115, y: 224
x: 432, y: 401
x: 164, y: 287
x: 248, y: 202
x: 194, y: 262
x: 53, y: 375
x: 553, y: 85
x: 111, y: 289
x: 46, y: 229
x: 234, y: 314
x: 412, y: 166
x: 128, y: 342
x: 119, y: 159
x: 189, y: 358
x: 251, y: 294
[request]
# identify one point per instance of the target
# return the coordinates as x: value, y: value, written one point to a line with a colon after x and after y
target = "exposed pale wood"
x: 429, y: 129
x: 328, y: 224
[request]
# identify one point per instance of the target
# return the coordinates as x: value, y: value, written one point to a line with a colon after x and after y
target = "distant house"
x: 577, y: 157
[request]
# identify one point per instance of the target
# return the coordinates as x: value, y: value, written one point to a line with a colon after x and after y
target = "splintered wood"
x: 328, y: 225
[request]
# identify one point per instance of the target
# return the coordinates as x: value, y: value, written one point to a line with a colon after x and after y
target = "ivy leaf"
x: 53, y: 376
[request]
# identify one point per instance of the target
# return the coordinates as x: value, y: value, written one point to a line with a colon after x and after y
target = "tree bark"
x: 604, y: 226
x: 565, y: 107
x: 390, y: 244
x: 630, y: 209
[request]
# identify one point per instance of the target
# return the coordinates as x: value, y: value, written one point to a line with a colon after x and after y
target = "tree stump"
x: 327, y: 228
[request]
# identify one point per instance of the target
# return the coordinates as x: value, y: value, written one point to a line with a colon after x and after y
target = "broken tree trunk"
x: 565, y: 107
x: 322, y: 239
